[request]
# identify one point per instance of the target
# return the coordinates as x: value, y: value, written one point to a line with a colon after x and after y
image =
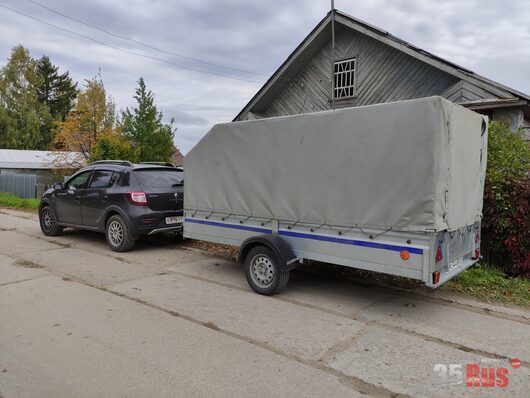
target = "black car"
x: 121, y: 199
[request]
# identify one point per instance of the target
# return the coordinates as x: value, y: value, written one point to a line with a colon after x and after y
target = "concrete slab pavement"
x: 80, y: 320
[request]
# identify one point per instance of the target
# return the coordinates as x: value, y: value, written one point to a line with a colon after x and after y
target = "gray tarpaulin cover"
x: 412, y: 165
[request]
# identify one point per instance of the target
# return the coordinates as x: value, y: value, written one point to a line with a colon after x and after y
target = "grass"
x: 489, y: 284
x: 12, y: 201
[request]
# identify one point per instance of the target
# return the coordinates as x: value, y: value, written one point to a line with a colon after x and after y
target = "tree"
x: 94, y: 115
x: 152, y: 140
x: 56, y: 90
x: 22, y: 114
x: 111, y: 146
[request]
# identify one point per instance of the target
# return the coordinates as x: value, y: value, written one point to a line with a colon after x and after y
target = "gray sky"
x: 490, y: 37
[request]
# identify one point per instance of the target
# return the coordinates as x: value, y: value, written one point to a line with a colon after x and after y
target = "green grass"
x: 489, y: 284
x: 10, y: 200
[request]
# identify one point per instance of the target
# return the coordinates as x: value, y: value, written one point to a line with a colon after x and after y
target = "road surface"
x: 78, y: 320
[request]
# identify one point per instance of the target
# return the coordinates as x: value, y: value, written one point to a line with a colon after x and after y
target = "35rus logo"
x: 475, y: 375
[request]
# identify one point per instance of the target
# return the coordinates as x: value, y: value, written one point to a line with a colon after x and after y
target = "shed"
x: 27, y: 173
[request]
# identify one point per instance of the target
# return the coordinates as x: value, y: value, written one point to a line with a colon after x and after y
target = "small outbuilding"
x: 28, y: 173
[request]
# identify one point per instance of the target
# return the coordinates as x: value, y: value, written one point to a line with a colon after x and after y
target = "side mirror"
x: 57, y: 185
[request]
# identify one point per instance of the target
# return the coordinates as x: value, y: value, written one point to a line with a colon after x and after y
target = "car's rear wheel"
x: 263, y: 273
x: 118, y: 234
x: 48, y: 222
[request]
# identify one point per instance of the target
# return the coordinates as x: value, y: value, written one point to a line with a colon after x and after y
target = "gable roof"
x: 320, y: 35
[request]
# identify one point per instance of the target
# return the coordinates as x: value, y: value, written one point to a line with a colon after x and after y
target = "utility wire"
x: 127, y: 51
x: 143, y: 43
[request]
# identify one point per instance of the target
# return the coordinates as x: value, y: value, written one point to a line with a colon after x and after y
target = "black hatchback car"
x: 121, y: 199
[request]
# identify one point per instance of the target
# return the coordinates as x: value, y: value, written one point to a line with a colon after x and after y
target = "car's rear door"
x: 163, y: 188
x: 68, y: 199
x: 95, y: 198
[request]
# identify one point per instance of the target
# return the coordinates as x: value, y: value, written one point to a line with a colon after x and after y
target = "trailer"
x: 395, y: 188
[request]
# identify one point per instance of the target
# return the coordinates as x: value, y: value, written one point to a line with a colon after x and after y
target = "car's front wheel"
x: 118, y: 234
x: 48, y: 222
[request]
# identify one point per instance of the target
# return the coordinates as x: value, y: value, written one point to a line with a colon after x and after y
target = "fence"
x: 21, y: 185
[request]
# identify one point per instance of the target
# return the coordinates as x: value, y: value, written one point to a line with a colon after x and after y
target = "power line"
x: 127, y: 51
x: 145, y: 44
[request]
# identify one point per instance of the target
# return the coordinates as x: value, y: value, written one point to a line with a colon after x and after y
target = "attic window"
x: 344, y: 74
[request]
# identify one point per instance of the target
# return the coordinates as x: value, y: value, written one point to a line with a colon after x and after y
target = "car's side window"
x: 79, y: 181
x: 102, y: 179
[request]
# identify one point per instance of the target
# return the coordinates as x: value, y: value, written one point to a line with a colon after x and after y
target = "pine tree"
x: 22, y: 114
x: 152, y: 140
x: 56, y: 90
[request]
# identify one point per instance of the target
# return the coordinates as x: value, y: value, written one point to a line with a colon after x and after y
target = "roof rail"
x: 120, y: 162
x: 168, y: 164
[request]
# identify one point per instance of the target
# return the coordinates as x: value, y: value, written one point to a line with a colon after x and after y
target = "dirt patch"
x: 29, y: 264
x: 215, y: 249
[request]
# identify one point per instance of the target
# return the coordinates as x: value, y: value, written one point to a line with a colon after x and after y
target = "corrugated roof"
x: 22, y: 159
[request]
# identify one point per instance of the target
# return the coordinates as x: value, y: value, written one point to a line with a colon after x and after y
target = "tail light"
x: 439, y: 255
x: 435, y: 277
x: 138, y: 198
x: 477, y: 243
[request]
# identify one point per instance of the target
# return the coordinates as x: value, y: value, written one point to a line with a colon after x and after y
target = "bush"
x: 506, y: 224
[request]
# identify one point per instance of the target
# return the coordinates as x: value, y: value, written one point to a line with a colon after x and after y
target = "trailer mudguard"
x: 279, y: 246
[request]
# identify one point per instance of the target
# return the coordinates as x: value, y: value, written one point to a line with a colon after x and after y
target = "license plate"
x: 455, y: 264
x: 173, y: 220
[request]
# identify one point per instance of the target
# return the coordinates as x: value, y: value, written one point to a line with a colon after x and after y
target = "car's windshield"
x: 159, y: 178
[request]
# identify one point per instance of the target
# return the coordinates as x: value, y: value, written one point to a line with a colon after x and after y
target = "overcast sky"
x: 490, y: 37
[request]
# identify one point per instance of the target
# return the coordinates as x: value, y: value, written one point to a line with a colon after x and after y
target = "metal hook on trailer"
x: 226, y: 217
x: 294, y: 225
x: 265, y: 223
x: 316, y: 229
x: 209, y: 215
x: 245, y: 220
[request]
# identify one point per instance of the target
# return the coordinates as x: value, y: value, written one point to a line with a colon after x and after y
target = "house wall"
x: 384, y: 74
x: 514, y: 116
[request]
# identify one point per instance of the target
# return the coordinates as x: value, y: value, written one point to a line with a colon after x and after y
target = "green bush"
x: 506, y: 224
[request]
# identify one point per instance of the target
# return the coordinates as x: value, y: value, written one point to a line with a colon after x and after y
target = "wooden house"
x: 368, y: 66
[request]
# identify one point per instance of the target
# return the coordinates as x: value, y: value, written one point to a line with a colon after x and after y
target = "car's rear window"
x: 158, y: 178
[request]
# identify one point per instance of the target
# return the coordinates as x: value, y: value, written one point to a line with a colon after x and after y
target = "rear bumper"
x: 446, y: 275
x: 148, y: 222
x: 176, y: 228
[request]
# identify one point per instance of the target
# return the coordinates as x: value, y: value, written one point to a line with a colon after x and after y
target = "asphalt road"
x: 77, y: 320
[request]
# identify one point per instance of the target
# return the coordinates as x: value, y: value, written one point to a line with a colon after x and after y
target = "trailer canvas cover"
x: 414, y: 165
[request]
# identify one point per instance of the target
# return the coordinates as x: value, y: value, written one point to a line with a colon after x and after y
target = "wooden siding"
x: 465, y: 92
x: 384, y: 74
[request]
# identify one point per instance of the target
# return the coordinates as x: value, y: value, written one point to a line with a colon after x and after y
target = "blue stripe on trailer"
x: 233, y: 226
x: 373, y: 245
x: 354, y: 242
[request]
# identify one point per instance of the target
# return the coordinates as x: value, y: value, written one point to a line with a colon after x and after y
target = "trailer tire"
x: 263, y: 273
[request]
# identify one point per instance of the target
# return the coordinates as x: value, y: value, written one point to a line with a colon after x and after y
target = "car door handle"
x: 105, y: 197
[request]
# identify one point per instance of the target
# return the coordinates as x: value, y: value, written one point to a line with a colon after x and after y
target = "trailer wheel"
x: 263, y: 273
